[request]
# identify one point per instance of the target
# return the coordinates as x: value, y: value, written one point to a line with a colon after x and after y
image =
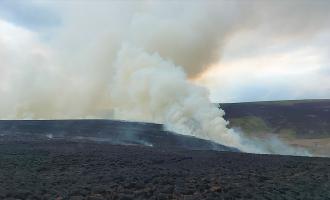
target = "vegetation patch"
x: 250, y: 124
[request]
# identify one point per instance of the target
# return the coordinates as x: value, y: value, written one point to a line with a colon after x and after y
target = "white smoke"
x: 69, y: 75
x: 148, y: 88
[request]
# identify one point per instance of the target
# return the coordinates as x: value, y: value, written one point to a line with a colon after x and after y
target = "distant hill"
x: 308, y: 119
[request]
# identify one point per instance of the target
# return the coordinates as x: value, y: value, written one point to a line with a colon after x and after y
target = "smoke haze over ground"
x: 137, y: 61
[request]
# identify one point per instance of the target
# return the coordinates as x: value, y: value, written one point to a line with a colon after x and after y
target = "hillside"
x: 302, y: 123
x: 297, y: 118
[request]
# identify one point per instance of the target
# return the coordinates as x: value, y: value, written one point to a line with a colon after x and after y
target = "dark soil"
x: 60, y: 169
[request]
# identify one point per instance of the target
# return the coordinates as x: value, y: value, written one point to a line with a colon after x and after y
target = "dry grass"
x: 319, y: 147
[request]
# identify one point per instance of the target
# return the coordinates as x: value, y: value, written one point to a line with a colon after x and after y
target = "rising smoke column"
x: 148, y: 88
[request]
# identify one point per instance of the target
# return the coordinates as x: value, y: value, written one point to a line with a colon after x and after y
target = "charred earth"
x: 57, y: 160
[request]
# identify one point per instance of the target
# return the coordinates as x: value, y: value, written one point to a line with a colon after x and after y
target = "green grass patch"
x: 250, y: 124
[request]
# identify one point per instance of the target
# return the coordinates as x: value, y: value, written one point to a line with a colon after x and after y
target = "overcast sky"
x: 240, y: 50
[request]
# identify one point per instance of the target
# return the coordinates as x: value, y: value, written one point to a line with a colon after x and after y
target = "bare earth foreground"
x: 59, y: 169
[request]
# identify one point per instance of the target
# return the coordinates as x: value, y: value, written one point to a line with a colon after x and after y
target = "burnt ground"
x: 103, y: 130
x: 61, y: 169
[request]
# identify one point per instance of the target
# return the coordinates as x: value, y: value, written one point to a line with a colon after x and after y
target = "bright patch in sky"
x: 275, y: 76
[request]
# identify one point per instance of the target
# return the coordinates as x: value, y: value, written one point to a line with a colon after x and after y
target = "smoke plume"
x: 132, y: 64
x: 148, y: 88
